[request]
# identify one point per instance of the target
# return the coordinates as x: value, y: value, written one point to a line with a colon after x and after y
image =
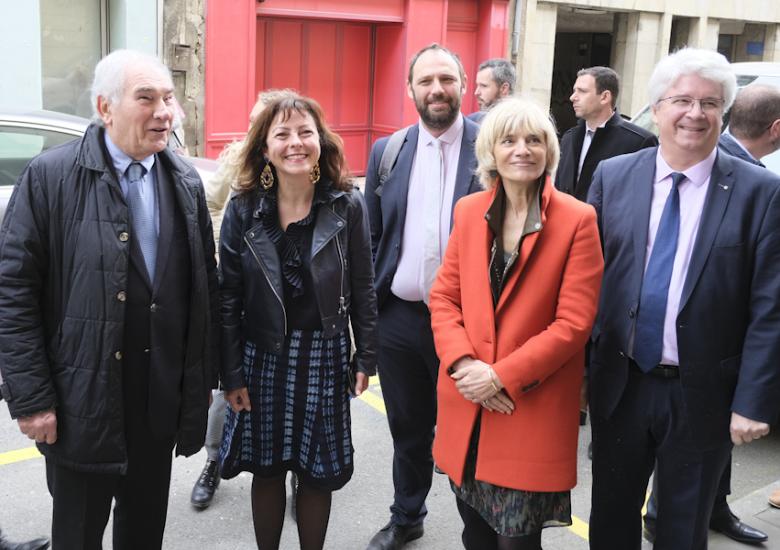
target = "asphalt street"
x: 362, y: 506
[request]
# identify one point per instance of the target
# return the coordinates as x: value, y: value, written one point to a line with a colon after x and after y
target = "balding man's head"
x: 755, y: 109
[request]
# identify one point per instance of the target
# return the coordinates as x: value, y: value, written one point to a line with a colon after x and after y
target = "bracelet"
x: 492, y: 379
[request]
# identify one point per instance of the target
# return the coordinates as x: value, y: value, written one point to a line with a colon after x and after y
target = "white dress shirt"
x: 408, y: 282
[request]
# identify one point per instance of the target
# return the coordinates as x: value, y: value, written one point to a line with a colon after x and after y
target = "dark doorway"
x: 574, y: 51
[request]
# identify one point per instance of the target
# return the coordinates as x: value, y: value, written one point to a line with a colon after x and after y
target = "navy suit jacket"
x: 728, y: 325
x: 387, y: 202
x: 729, y: 145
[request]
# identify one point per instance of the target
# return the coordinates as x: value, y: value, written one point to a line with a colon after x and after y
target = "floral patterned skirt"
x: 510, y: 512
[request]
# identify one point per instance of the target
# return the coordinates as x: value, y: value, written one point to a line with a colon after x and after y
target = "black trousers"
x: 650, y: 426
x: 82, y: 500
x: 408, y: 370
x: 719, y: 510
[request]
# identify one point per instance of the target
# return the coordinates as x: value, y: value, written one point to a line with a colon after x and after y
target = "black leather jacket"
x: 251, y: 280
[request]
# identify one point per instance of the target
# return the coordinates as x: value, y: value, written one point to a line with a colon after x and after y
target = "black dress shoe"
x: 393, y: 536
x: 206, y: 486
x: 729, y: 525
x: 37, y: 544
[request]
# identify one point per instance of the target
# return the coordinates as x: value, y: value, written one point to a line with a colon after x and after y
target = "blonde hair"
x: 512, y: 115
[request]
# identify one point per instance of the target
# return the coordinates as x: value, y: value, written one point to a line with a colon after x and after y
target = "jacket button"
x: 146, y: 350
x: 118, y: 355
x: 631, y: 313
x: 621, y: 354
x: 153, y: 307
x: 121, y: 296
x: 339, y: 224
x: 277, y: 345
x: 124, y: 236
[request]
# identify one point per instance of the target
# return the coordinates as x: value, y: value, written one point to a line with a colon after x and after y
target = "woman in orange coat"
x: 511, y: 310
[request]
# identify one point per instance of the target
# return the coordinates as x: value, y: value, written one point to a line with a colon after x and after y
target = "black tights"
x: 268, y: 505
x: 478, y: 535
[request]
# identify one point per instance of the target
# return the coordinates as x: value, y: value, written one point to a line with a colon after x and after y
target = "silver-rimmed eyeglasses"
x: 686, y: 103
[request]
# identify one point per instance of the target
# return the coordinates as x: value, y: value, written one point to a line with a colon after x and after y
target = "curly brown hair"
x: 333, y: 165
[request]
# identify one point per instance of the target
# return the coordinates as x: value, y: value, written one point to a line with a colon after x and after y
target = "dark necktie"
x: 649, y: 331
x: 142, y: 215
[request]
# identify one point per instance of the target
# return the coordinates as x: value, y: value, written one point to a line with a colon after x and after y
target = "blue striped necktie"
x: 142, y: 215
x: 649, y: 330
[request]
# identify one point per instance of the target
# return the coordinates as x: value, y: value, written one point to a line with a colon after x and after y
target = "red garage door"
x: 330, y: 61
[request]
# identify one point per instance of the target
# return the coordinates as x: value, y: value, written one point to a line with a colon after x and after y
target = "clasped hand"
x: 474, y: 382
x: 745, y: 430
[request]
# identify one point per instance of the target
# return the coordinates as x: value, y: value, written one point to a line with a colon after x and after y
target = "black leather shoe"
x: 730, y: 526
x: 37, y: 544
x: 206, y: 486
x: 648, y: 530
x: 393, y: 536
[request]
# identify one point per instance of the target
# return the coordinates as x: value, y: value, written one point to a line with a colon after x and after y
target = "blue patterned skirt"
x: 300, y: 418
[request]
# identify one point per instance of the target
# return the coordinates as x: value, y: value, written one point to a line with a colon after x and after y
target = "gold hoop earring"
x: 267, y: 177
x: 314, y: 175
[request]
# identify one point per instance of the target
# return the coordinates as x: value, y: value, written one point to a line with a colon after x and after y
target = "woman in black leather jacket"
x: 296, y: 268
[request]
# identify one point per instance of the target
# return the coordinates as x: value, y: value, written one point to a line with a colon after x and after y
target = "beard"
x: 438, y: 121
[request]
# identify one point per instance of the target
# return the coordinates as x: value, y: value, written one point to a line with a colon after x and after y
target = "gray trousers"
x: 216, y: 423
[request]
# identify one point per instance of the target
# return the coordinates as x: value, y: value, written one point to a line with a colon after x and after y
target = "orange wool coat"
x: 534, y: 339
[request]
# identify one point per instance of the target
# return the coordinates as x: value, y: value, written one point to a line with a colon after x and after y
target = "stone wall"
x: 183, y: 51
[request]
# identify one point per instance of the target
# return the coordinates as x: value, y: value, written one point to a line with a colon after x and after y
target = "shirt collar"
x: 697, y: 174
x: 122, y: 160
x: 447, y: 137
x: 602, y: 125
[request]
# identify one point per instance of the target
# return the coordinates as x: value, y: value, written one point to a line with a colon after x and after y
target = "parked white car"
x: 25, y: 134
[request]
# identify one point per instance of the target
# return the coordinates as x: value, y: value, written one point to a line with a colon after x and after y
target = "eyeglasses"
x: 686, y: 103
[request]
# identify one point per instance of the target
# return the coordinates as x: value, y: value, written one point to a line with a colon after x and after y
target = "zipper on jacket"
x: 268, y: 278
x: 342, y: 304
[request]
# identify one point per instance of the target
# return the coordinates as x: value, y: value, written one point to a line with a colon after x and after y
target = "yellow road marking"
x: 18, y: 455
x: 374, y: 401
x: 579, y: 527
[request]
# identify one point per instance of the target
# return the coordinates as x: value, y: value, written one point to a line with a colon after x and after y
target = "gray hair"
x: 503, y: 72
x: 110, y: 73
x: 706, y: 64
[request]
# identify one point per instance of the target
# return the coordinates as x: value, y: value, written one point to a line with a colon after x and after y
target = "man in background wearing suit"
x: 601, y: 132
x: 109, y: 311
x: 410, y: 213
x: 687, y: 339
x: 749, y: 138
x: 495, y: 80
x: 754, y: 124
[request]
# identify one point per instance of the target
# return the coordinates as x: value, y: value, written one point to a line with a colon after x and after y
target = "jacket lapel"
x: 576, y: 150
x: 720, y: 188
x: 165, y: 205
x: 467, y: 165
x: 398, y: 182
x: 526, y: 248
x: 642, y: 180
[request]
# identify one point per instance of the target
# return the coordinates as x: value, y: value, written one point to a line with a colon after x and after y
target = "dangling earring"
x: 314, y: 175
x: 267, y: 177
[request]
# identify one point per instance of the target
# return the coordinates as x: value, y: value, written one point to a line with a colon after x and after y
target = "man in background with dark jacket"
x: 109, y: 311
x: 601, y: 132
